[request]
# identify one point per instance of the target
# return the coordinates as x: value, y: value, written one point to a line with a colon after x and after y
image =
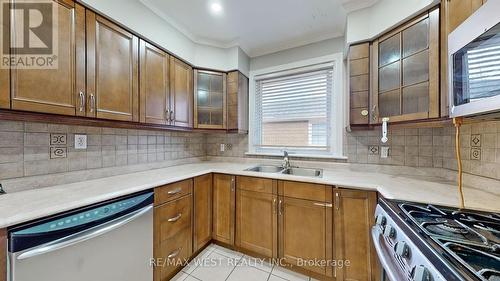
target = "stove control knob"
x: 380, y: 220
x: 389, y: 231
x: 402, y: 249
x: 420, y: 273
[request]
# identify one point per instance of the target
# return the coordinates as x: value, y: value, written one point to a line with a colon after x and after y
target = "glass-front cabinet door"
x: 210, y: 99
x: 405, y: 64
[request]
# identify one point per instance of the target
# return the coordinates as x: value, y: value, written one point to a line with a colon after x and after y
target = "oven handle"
x: 384, y: 260
x: 84, y: 235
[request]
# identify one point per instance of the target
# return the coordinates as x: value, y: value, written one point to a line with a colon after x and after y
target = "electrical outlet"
x: 80, y: 141
x: 384, y: 152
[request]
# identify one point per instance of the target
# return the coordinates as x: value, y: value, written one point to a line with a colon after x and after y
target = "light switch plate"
x: 384, y: 152
x: 80, y: 141
x: 222, y: 147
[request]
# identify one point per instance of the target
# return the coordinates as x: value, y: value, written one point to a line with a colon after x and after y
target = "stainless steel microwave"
x: 474, y: 63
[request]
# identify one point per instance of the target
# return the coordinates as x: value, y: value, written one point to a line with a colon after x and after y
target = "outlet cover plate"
x: 80, y: 141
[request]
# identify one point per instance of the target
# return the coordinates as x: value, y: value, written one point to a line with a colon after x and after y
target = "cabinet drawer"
x: 172, y: 191
x: 173, y: 253
x: 255, y: 184
x: 173, y: 217
x: 302, y: 190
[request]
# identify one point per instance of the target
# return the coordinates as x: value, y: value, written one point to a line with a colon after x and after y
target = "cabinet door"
x: 256, y: 222
x: 202, y: 211
x: 359, y: 66
x: 181, y: 93
x: 154, y: 86
x: 459, y: 10
x: 112, y: 71
x: 55, y: 90
x: 210, y: 100
x: 353, y: 216
x: 305, y: 233
x: 223, y: 208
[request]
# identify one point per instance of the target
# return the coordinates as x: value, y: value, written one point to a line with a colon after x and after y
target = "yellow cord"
x: 458, y: 122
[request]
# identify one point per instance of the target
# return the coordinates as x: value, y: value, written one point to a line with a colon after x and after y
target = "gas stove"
x: 429, y: 243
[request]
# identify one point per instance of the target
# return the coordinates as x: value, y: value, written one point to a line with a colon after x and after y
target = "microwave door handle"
x: 83, y: 235
x: 384, y: 261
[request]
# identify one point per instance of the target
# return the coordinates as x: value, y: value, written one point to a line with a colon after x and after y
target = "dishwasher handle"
x: 84, y: 235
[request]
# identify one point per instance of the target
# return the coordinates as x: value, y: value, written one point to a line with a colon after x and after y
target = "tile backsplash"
x: 29, y: 149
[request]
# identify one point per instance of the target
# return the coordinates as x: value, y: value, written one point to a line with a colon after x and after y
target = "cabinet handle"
x: 280, y: 205
x: 374, y: 115
x: 274, y: 206
x: 232, y: 184
x: 82, y: 101
x: 167, y: 115
x: 175, y: 191
x: 176, y: 218
x: 171, y: 116
x: 329, y: 205
x: 174, y: 253
x: 92, y: 102
x: 337, y: 201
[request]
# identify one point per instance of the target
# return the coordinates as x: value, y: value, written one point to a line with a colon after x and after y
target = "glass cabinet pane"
x: 203, y: 117
x: 202, y: 98
x: 203, y: 81
x: 217, y: 99
x: 416, y: 38
x: 416, y: 68
x: 216, y: 118
x: 389, y: 77
x: 216, y: 83
x: 416, y: 98
x: 389, y: 103
x: 390, y: 50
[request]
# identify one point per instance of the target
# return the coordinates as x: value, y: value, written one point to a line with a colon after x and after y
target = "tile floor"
x: 216, y: 263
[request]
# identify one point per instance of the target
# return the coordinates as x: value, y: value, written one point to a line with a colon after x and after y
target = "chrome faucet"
x: 286, y: 161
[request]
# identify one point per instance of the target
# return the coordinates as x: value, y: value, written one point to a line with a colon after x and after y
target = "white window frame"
x: 337, y: 110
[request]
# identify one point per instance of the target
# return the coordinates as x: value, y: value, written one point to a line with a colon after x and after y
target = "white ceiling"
x: 258, y: 26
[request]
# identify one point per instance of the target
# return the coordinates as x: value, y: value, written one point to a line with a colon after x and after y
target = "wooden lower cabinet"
x: 202, y: 198
x: 223, y: 227
x: 305, y: 233
x: 172, y: 236
x: 353, y: 219
x: 256, y: 217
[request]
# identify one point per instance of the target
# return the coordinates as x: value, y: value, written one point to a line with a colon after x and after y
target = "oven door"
x: 474, y: 63
x: 385, y: 253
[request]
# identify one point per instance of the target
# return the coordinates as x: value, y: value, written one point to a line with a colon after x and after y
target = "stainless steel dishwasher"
x: 112, y: 241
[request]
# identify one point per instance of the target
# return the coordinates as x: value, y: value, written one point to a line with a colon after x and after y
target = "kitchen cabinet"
x: 202, y: 198
x: 112, y: 70
x: 405, y: 70
x: 353, y: 217
x: 172, y: 234
x: 237, y: 102
x: 181, y: 93
x: 59, y: 90
x: 210, y: 99
x: 453, y: 13
x: 224, y: 200
x: 359, y: 77
x: 256, y: 216
x: 305, y: 226
x: 154, y: 87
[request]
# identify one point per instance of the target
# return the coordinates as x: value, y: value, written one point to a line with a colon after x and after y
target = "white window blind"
x: 293, y: 111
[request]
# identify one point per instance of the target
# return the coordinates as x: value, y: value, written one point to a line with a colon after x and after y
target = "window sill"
x: 298, y: 155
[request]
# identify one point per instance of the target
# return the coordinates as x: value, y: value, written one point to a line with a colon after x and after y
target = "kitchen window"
x: 297, y: 110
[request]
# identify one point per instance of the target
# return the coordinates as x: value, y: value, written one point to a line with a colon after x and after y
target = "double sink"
x: 296, y: 171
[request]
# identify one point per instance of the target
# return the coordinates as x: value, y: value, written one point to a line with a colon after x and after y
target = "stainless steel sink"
x: 304, y: 172
x: 266, y: 169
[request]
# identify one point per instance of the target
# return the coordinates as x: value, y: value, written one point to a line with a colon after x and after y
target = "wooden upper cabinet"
x: 55, y: 90
x: 154, y: 86
x: 353, y: 217
x: 223, y: 208
x: 203, y: 211
x: 305, y: 233
x: 209, y: 99
x: 359, y: 77
x: 181, y: 93
x: 112, y: 70
x: 237, y: 102
x: 256, y: 216
x: 405, y: 62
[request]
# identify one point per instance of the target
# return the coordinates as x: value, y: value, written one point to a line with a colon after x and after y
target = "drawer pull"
x: 176, y: 218
x: 329, y: 205
x: 175, y: 191
x: 174, y: 253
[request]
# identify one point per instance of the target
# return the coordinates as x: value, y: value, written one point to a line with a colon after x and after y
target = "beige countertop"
x: 19, y: 207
